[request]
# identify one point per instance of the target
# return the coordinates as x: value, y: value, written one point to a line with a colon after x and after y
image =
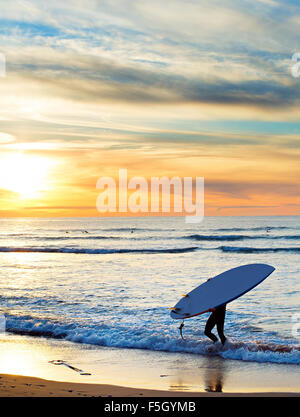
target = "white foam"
x: 144, y: 337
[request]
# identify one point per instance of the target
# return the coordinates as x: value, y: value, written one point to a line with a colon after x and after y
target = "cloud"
x: 178, y: 53
x: 266, y: 207
x: 246, y: 189
x: 179, y: 86
x: 59, y: 208
x: 6, y: 138
x: 92, y: 80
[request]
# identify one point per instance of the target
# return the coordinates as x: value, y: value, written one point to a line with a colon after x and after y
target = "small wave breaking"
x: 95, y: 251
x: 241, y: 249
x: 239, y: 237
x: 142, y: 338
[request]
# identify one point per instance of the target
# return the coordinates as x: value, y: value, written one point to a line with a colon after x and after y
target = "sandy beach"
x: 27, y: 370
x: 123, y: 372
x: 23, y: 386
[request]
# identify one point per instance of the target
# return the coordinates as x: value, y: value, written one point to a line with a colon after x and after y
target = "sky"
x: 176, y: 88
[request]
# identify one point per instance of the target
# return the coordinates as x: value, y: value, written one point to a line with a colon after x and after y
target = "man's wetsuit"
x: 217, y: 317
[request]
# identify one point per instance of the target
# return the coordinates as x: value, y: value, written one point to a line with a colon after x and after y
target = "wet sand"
x: 24, y: 386
x: 94, y: 371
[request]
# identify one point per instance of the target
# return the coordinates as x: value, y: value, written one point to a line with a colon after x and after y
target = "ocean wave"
x: 133, y: 237
x: 90, y: 237
x: 219, y: 237
x: 258, y: 228
x: 95, y: 251
x: 83, y: 237
x: 140, y: 229
x: 142, y: 337
x: 238, y: 249
x: 5, y: 235
x: 239, y: 237
x: 296, y: 237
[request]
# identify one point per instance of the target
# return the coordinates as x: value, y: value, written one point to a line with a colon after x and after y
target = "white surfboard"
x: 220, y: 290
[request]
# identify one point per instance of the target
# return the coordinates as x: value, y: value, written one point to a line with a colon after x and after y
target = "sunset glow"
x: 203, y: 90
x: 24, y: 175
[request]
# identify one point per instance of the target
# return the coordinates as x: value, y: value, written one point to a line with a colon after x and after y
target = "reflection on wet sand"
x: 214, y: 376
x: 208, y: 375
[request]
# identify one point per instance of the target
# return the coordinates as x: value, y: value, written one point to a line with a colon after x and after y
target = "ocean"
x: 108, y: 283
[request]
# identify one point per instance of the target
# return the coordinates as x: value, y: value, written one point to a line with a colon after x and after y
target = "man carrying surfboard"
x: 215, y: 293
x: 217, y: 317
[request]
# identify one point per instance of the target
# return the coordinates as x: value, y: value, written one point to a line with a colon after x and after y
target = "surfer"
x: 217, y: 317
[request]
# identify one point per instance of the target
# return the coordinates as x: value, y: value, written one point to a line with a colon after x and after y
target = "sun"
x: 24, y: 174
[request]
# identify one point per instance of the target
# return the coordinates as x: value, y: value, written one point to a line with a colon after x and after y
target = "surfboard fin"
x: 185, y: 295
x: 174, y: 309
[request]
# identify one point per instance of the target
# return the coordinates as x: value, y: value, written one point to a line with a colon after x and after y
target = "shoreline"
x: 27, y: 368
x: 25, y: 386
